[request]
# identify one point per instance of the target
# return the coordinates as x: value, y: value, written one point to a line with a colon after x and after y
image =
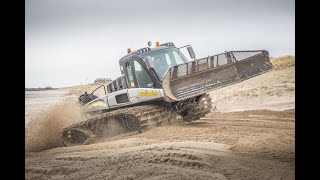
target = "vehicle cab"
x: 146, y: 67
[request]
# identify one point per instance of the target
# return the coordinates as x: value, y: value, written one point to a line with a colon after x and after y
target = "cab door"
x: 141, y: 82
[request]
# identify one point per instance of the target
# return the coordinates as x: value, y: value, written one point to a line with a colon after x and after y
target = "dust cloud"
x: 44, y: 131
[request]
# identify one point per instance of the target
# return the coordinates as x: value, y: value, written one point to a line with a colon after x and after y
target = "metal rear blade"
x: 200, y: 76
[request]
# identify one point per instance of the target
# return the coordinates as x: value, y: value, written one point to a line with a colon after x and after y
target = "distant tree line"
x: 40, y: 89
x: 102, y: 80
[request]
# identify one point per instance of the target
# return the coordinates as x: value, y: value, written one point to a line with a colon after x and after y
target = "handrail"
x: 105, y: 92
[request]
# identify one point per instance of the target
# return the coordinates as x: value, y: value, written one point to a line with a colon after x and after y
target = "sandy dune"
x: 250, y: 135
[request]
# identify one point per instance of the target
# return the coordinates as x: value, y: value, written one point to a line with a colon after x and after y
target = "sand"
x: 250, y: 135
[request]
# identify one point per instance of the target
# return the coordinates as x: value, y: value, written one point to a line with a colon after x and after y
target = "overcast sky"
x: 69, y: 42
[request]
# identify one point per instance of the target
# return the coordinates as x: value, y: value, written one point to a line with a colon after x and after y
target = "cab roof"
x: 141, y: 52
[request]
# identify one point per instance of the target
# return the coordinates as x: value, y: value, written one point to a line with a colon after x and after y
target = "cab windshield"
x: 164, y: 59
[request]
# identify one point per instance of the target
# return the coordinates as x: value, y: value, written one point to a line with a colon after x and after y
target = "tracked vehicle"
x: 158, y: 84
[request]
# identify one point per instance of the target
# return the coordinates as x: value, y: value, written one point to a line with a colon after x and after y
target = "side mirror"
x: 191, y: 52
x: 149, y: 62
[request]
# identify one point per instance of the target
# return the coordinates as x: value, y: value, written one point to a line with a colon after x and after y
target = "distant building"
x: 103, y: 80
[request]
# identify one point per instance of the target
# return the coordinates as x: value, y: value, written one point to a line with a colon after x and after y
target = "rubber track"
x: 140, y: 117
x: 203, y: 108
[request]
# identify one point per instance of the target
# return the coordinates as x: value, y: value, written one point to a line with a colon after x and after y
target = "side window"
x: 143, y: 78
x: 168, y: 59
x: 130, y: 76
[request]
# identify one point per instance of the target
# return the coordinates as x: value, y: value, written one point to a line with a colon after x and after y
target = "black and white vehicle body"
x: 159, y: 82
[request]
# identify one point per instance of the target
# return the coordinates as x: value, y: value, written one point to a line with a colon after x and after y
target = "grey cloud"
x: 65, y: 34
